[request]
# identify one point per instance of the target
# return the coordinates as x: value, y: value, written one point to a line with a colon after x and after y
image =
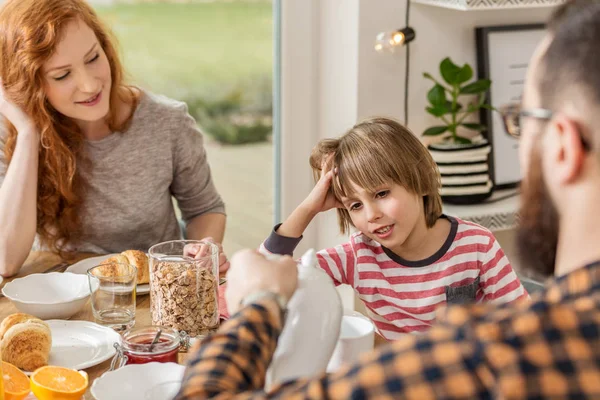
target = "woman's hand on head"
x: 14, y: 114
x: 321, y: 198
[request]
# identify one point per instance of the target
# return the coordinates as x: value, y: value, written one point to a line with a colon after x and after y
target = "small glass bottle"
x: 137, y: 346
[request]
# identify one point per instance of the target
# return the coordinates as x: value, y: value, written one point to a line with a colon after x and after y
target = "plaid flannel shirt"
x: 546, y: 348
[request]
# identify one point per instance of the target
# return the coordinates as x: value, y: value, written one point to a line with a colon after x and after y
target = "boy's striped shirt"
x: 401, y: 296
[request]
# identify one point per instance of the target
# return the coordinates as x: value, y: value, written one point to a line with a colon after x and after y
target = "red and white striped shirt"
x: 401, y: 296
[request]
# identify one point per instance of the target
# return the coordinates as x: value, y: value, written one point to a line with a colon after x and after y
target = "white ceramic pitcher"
x: 311, y: 328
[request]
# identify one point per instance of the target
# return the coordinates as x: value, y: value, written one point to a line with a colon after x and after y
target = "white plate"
x: 82, y: 267
x: 80, y: 344
x: 132, y: 382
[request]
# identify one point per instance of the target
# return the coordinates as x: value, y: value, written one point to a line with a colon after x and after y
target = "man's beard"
x: 537, y: 236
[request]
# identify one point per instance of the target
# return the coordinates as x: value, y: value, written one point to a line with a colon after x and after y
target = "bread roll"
x: 139, y: 259
x: 25, y: 341
x: 12, y: 320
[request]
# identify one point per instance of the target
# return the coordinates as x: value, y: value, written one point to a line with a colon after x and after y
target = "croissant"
x: 140, y: 260
x: 137, y: 258
x: 109, y: 267
x: 25, y: 341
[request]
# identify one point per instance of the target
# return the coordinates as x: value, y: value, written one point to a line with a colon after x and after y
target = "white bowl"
x: 132, y: 382
x: 54, y: 295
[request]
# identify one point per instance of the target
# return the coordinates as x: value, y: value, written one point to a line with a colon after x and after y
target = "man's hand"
x: 251, y: 272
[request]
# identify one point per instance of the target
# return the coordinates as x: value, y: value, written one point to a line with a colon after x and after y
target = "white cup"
x: 356, y: 337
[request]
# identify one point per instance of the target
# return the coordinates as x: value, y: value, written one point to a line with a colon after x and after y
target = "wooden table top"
x: 38, y: 262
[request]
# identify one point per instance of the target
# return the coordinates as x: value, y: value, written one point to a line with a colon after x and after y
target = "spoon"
x: 155, y: 340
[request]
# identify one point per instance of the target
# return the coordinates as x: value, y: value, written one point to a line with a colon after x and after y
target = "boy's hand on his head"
x: 251, y: 272
x: 321, y: 198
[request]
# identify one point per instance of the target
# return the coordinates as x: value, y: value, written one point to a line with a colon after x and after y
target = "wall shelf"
x: 475, y: 5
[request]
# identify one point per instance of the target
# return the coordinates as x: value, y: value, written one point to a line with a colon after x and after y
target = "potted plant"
x: 461, y: 159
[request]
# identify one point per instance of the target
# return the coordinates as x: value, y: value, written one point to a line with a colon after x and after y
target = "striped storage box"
x: 464, y: 170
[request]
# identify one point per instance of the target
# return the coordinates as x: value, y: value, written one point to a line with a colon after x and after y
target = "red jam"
x: 137, y: 343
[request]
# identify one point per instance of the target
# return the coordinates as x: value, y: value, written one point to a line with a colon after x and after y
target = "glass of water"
x: 113, y: 294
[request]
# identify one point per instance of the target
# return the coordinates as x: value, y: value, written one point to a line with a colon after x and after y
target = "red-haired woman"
x: 87, y: 162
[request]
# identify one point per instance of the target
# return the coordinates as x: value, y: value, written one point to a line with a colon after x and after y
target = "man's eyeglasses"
x: 513, y: 115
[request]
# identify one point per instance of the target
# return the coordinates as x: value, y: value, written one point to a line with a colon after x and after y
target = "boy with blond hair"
x: 406, y: 257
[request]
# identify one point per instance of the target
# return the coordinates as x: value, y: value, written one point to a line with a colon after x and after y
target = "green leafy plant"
x: 444, y: 100
x: 227, y: 120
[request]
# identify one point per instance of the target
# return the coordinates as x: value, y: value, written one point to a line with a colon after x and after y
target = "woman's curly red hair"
x: 29, y: 32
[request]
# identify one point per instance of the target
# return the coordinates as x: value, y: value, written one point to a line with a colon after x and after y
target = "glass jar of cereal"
x: 184, y: 280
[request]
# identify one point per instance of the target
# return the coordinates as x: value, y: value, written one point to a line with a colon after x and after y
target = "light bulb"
x: 398, y: 38
x: 389, y: 41
x: 384, y: 42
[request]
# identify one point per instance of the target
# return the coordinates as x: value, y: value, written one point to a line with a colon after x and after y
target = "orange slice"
x: 16, y: 383
x: 53, y: 383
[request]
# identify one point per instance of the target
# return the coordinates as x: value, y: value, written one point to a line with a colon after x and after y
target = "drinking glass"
x: 113, y: 288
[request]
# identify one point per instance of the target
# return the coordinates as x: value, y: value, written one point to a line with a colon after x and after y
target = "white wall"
x: 439, y: 33
x: 319, y: 86
x: 319, y: 94
x: 299, y: 96
x: 339, y: 87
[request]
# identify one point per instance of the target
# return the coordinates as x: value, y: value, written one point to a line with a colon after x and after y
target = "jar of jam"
x: 149, y: 344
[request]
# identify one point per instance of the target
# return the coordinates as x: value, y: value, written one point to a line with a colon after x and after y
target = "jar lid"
x: 139, y: 340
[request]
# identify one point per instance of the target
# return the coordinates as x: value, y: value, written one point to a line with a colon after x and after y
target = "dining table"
x: 45, y: 261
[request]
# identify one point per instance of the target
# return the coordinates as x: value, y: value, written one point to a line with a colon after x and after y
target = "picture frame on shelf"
x: 503, y: 54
